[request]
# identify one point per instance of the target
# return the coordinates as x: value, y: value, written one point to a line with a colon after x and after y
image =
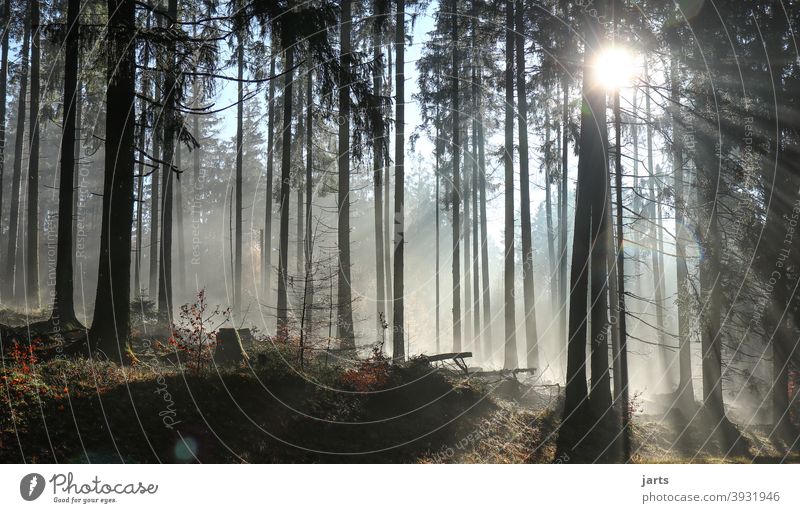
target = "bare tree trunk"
x: 621, y: 391
x: 387, y: 203
x: 237, y: 243
x: 476, y: 313
x: 485, y: 290
x: 195, y: 220
x: 685, y: 393
x: 564, y: 215
x: 637, y: 197
x: 588, y: 265
x: 600, y: 391
x: 468, y: 335
x: 170, y: 131
x: 63, y: 306
x: 308, y: 248
x: 110, y: 328
x: 398, y: 333
x: 142, y: 141
x: 782, y: 343
x: 456, y: 186
x: 155, y: 200
x: 378, y: 149
x: 548, y: 205
x: 282, y: 328
x: 76, y: 181
x: 152, y: 290
x: 711, y: 293
x: 531, y: 335
x: 301, y: 132
x: 655, y: 250
x: 32, y: 221
x: 9, y: 279
x: 267, y: 264
x: 437, y: 149
x: 613, y: 297
x: 510, y: 359
x: 181, y: 233
x: 344, y: 317
x: 6, y: 21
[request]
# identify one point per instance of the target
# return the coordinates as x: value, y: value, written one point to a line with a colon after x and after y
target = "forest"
x: 409, y: 231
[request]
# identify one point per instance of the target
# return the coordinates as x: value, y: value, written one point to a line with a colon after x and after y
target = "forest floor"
x: 335, y: 409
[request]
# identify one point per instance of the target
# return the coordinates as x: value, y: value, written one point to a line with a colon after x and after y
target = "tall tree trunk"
x: 77, y: 250
x: 378, y: 158
x: 613, y: 297
x: 170, y: 131
x: 344, y: 318
x: 109, y: 331
x: 556, y: 276
x: 564, y: 215
x: 621, y: 391
x: 9, y: 279
x: 655, y: 250
x: 6, y: 21
x: 637, y: 196
x: 387, y: 203
x: 586, y: 262
x: 509, y: 306
x: 548, y: 206
x: 468, y: 335
x: 63, y: 306
x: 179, y: 225
x: 282, y: 329
x: 155, y: 200
x: 437, y: 169
x: 301, y: 134
x: 194, y: 204
x: 531, y: 336
x: 398, y: 311
x: 476, y: 307
x: 32, y: 221
x: 711, y: 292
x: 267, y: 264
x: 309, y: 240
x: 237, y: 269
x: 781, y: 216
x: 781, y: 343
x: 485, y: 289
x: 155, y: 207
x: 456, y: 186
x: 600, y: 392
x: 142, y: 141
x: 708, y: 174
x: 685, y: 393
x: 196, y: 158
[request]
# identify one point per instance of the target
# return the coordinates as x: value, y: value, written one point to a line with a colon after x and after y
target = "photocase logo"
x: 31, y: 486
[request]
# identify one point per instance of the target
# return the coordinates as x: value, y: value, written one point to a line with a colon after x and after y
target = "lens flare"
x: 614, y: 68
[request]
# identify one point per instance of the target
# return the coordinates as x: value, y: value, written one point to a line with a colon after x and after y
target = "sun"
x: 614, y: 68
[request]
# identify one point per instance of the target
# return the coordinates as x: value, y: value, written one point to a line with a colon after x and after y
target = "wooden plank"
x: 448, y: 356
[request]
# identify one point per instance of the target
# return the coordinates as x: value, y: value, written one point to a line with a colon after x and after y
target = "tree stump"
x: 229, y: 345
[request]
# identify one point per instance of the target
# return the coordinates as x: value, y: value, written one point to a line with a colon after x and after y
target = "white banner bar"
x: 398, y: 488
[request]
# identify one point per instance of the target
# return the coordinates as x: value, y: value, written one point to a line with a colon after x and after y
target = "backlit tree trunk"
x: 109, y: 331
x: 510, y: 358
x: 9, y: 278
x: 531, y: 336
x: 398, y: 315
x: 165, y: 284
x: 63, y: 307
x: 282, y: 328
x: 32, y: 221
